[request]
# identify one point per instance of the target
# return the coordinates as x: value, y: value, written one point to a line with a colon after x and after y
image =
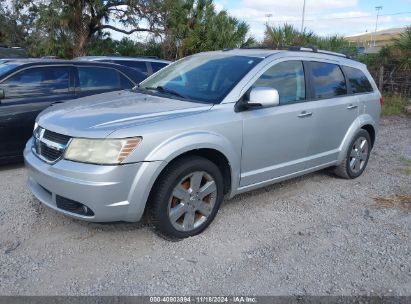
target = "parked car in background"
x: 145, y: 65
x: 27, y: 86
x: 209, y: 125
x: 12, y: 52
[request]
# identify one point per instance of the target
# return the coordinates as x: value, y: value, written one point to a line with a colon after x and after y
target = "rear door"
x: 333, y: 109
x: 360, y: 87
x: 91, y: 80
x: 27, y: 93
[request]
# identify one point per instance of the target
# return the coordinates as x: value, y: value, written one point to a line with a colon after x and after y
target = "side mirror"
x: 2, y: 94
x: 260, y: 97
x: 264, y: 97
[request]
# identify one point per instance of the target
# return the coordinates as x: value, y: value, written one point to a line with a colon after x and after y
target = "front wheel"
x: 186, y: 198
x: 357, y: 156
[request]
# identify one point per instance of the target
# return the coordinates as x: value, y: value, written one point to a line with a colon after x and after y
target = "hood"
x: 99, y: 115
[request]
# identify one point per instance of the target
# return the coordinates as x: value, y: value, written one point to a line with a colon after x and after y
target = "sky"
x: 324, y: 17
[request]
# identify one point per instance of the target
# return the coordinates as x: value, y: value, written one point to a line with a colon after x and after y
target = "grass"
x: 407, y: 165
x: 394, y: 105
x: 401, y: 200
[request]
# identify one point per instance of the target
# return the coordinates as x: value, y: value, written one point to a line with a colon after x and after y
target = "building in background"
x: 372, y: 42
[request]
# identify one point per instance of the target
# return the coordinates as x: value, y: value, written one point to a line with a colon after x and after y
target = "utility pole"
x: 268, y: 16
x: 302, y: 19
x: 378, y: 8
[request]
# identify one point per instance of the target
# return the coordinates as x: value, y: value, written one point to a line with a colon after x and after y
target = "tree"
x: 403, y: 44
x: 72, y: 24
x: 195, y: 26
x: 278, y: 37
x: 13, y: 24
x: 71, y: 28
x: 81, y: 20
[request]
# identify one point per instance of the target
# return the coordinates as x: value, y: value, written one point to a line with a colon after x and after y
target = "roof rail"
x: 312, y: 48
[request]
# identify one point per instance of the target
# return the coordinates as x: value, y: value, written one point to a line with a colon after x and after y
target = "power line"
x: 342, y: 18
x: 357, y: 17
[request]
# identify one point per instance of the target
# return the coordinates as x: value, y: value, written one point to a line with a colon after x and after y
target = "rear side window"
x: 359, y: 83
x: 327, y: 80
x: 36, y: 82
x: 96, y: 79
x: 287, y: 78
x: 140, y: 66
x: 157, y: 66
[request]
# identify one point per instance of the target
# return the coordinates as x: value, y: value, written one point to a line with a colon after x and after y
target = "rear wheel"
x: 186, y: 197
x: 357, y: 156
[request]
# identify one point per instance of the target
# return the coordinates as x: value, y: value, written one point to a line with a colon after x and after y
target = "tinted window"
x: 156, y: 66
x: 35, y: 82
x: 202, y: 78
x: 287, y: 78
x: 358, y: 81
x: 327, y: 80
x: 137, y: 65
x: 95, y: 78
x: 125, y: 82
x: 5, y: 67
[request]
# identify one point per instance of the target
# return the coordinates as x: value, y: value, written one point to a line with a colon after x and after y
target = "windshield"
x: 4, y: 68
x: 201, y: 78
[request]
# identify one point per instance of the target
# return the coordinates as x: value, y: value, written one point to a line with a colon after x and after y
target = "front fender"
x: 195, y: 140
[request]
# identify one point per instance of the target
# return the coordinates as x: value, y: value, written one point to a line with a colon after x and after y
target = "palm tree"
x: 403, y: 43
x: 285, y: 36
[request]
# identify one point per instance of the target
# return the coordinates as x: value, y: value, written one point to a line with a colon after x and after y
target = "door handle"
x: 305, y: 114
x: 350, y: 107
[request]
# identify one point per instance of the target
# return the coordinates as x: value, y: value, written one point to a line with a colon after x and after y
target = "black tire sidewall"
x: 166, y: 184
x: 361, y: 133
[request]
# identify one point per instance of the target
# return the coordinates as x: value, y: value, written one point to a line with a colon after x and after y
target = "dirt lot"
x: 316, y: 235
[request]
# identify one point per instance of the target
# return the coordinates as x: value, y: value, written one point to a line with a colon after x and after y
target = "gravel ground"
x: 316, y: 235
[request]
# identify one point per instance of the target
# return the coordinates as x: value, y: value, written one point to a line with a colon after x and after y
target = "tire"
x: 357, y: 156
x: 179, y: 205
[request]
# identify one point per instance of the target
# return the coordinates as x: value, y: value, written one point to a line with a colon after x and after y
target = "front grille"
x: 49, y: 153
x: 55, y: 137
x: 73, y: 206
x: 48, y: 145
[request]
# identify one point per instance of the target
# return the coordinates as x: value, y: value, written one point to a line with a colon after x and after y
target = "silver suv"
x: 209, y: 125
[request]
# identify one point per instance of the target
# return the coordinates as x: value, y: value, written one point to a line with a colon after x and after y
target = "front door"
x: 275, y: 139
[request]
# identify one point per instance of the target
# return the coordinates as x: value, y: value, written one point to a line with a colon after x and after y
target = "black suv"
x: 27, y: 86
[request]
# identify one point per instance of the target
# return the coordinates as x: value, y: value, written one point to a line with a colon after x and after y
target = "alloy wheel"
x: 192, y: 201
x: 359, y: 154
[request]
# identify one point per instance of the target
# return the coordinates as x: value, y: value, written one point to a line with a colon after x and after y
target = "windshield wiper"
x: 162, y: 89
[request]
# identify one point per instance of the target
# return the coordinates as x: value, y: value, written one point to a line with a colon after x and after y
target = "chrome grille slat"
x: 49, y: 146
x: 55, y: 137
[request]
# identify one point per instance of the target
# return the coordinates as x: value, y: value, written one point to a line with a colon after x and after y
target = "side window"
x: 157, y: 66
x: 287, y: 78
x: 96, y: 78
x: 137, y: 65
x: 125, y: 82
x: 37, y: 82
x: 358, y: 81
x: 327, y: 80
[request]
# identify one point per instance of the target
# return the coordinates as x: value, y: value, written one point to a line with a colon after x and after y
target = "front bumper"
x: 113, y: 193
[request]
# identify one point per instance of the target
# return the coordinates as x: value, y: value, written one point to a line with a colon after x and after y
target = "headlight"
x: 35, y: 126
x: 101, y: 151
